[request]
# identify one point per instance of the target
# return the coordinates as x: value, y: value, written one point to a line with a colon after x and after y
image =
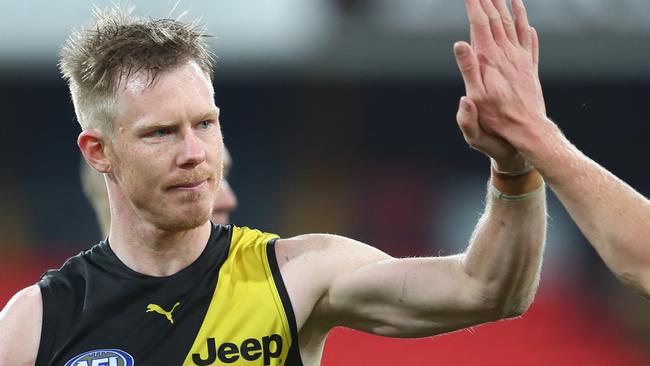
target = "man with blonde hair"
x: 168, y: 287
x: 94, y: 187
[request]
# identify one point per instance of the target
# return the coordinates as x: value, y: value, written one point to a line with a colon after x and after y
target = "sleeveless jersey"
x: 229, y: 307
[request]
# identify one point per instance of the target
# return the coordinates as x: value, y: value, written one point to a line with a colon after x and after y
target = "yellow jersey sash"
x: 249, y: 320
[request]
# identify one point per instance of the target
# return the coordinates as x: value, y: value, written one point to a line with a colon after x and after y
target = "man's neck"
x: 155, y: 252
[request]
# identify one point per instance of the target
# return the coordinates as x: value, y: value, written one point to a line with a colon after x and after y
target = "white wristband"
x: 528, y: 167
x: 506, y: 197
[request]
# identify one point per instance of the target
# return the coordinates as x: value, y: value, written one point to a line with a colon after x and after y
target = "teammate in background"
x: 505, y: 100
x: 94, y: 188
x: 168, y: 287
x: 226, y: 201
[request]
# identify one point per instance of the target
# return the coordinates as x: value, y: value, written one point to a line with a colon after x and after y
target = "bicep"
x: 411, y: 297
x: 20, y: 328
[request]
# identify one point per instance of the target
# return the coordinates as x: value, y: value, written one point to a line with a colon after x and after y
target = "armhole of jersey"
x: 45, y: 343
x: 293, y: 358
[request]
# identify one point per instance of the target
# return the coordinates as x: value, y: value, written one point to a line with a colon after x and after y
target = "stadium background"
x: 340, y: 117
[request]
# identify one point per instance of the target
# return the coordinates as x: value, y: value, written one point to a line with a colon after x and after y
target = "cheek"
x: 214, y: 153
x: 140, y: 168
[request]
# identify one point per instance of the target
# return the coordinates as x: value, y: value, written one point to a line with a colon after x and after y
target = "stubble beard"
x: 174, y: 214
x: 175, y: 220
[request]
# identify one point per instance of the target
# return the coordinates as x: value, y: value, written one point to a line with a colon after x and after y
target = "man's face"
x: 166, y: 156
x: 226, y: 199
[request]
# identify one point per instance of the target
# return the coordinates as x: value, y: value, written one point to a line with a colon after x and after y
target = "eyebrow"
x: 145, y: 125
x: 214, y: 113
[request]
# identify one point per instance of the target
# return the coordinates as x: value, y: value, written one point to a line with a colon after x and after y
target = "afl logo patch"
x: 102, y: 357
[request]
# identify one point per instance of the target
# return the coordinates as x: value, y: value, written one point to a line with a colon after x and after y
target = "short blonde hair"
x: 97, y: 58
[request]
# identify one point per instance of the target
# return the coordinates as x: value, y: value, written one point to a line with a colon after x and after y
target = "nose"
x: 192, y: 151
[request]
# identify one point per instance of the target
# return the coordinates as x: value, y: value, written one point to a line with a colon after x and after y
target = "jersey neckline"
x: 216, y: 231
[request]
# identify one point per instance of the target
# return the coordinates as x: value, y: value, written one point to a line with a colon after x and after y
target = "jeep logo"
x: 250, y: 350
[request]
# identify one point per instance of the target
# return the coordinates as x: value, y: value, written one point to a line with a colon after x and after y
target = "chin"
x: 181, y: 224
x: 191, y: 222
x: 183, y: 219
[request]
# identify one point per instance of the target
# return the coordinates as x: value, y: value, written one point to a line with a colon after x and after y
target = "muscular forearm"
x: 505, y: 254
x: 613, y: 216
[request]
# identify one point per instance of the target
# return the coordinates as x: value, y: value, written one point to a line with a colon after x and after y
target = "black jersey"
x: 228, y: 307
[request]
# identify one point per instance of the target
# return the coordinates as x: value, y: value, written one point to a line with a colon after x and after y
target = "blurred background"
x: 340, y: 116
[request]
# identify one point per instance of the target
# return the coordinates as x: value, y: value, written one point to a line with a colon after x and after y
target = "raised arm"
x: 612, y: 215
x: 496, y: 277
x: 20, y: 328
x: 360, y: 287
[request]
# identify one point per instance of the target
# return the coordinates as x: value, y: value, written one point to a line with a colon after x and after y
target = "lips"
x: 190, y: 186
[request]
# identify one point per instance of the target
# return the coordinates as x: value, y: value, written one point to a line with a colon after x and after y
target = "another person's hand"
x: 500, y: 70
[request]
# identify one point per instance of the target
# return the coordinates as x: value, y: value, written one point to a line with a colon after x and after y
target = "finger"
x: 469, y: 68
x: 508, y: 22
x: 496, y: 24
x: 535, y: 46
x: 479, y: 25
x: 521, y: 24
x: 475, y: 136
x: 467, y: 119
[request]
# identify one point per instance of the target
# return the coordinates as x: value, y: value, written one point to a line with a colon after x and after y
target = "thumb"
x: 467, y: 119
x: 476, y: 137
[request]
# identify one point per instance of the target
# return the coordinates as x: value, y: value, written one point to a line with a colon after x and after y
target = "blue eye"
x: 205, y: 124
x: 160, y: 133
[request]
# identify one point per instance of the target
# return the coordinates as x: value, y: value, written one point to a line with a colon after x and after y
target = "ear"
x: 92, y: 145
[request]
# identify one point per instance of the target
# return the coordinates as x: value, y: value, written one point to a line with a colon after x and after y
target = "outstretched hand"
x: 500, y: 72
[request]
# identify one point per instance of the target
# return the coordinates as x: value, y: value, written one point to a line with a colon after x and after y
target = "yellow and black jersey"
x: 229, y: 307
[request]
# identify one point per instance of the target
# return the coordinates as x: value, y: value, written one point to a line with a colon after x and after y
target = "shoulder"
x: 310, y: 265
x: 78, y: 266
x: 20, y: 327
x: 29, y: 296
x: 327, y: 248
x: 68, y: 276
x: 246, y: 237
x: 74, y: 264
